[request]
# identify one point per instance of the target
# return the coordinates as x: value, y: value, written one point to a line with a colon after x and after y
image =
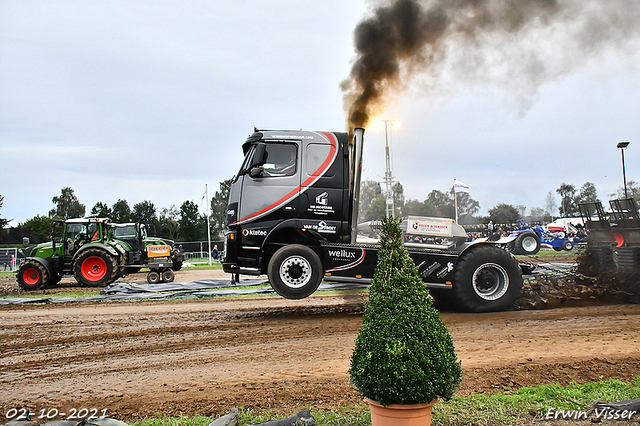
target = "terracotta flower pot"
x: 400, y: 414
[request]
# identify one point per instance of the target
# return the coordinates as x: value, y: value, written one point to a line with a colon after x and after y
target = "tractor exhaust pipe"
x: 358, y: 141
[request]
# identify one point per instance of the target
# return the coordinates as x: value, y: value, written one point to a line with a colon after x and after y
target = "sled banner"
x: 437, y: 227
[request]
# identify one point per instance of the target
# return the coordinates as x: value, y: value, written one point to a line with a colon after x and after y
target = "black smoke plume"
x: 519, y: 44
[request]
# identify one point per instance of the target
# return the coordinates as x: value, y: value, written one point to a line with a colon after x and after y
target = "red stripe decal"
x: 303, y: 186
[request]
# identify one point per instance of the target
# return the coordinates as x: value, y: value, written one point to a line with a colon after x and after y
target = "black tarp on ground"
x: 128, y: 288
x: 220, y: 287
x: 174, y: 290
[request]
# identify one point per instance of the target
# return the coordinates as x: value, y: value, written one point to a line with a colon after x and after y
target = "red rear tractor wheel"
x: 32, y: 275
x: 94, y: 268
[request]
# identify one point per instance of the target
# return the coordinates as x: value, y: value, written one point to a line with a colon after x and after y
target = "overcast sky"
x: 151, y: 100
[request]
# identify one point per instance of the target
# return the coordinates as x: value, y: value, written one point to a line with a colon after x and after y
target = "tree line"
x: 186, y: 223
x: 442, y: 204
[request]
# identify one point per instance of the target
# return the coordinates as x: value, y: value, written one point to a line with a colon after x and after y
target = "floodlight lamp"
x: 623, y: 144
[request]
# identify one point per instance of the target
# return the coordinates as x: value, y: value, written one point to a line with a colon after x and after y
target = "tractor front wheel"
x: 177, y: 265
x: 94, y: 268
x: 527, y: 243
x: 32, y: 275
x: 567, y: 245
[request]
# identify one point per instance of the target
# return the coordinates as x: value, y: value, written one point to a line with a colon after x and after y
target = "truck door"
x: 273, y: 193
x: 321, y: 204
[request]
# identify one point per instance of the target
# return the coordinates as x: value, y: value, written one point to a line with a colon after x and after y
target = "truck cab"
x: 292, y: 187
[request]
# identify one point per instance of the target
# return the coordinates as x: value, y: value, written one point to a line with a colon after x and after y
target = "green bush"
x: 403, y: 353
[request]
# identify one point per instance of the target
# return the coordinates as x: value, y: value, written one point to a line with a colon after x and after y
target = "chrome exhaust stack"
x: 358, y: 141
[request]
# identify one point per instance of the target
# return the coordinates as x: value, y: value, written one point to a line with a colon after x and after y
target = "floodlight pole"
x: 388, y: 178
x: 622, y: 146
x: 206, y: 191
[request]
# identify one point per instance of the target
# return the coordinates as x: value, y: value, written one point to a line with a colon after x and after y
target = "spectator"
x: 490, y: 228
x: 214, y: 253
x: 4, y: 259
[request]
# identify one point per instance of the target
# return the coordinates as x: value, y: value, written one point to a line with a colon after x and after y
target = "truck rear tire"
x: 94, y: 268
x: 487, y: 279
x: 527, y: 243
x: 32, y: 275
x: 295, y: 271
x: 444, y: 299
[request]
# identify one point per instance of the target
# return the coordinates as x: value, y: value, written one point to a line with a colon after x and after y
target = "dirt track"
x: 149, y: 358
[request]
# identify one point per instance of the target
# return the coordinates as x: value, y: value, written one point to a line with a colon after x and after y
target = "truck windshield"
x: 281, y: 160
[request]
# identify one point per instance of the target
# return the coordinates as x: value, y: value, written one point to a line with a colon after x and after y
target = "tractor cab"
x: 68, y: 236
x: 76, y: 234
x: 133, y: 234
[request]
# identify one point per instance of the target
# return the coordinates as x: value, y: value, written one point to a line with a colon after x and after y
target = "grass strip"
x: 523, y: 406
x: 531, y: 402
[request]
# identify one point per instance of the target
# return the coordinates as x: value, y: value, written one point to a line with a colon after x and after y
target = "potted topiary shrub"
x: 404, y: 358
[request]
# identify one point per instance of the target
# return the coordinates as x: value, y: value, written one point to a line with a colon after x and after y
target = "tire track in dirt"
x: 141, y: 359
x: 90, y: 349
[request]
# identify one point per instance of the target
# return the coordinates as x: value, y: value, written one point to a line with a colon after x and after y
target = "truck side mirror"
x: 259, y: 156
x: 255, y: 172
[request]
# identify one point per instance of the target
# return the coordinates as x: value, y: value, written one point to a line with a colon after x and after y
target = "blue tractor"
x: 529, y: 240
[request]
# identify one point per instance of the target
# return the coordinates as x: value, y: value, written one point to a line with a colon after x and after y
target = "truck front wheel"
x: 32, y: 275
x: 94, y: 268
x: 295, y: 271
x: 487, y: 279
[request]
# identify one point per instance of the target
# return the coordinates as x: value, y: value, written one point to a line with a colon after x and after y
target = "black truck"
x: 292, y: 214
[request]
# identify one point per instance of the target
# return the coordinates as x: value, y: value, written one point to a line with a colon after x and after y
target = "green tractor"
x: 97, y: 253
x: 160, y: 255
x: 82, y: 247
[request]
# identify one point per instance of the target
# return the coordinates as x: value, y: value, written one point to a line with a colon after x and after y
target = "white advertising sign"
x: 437, y: 227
